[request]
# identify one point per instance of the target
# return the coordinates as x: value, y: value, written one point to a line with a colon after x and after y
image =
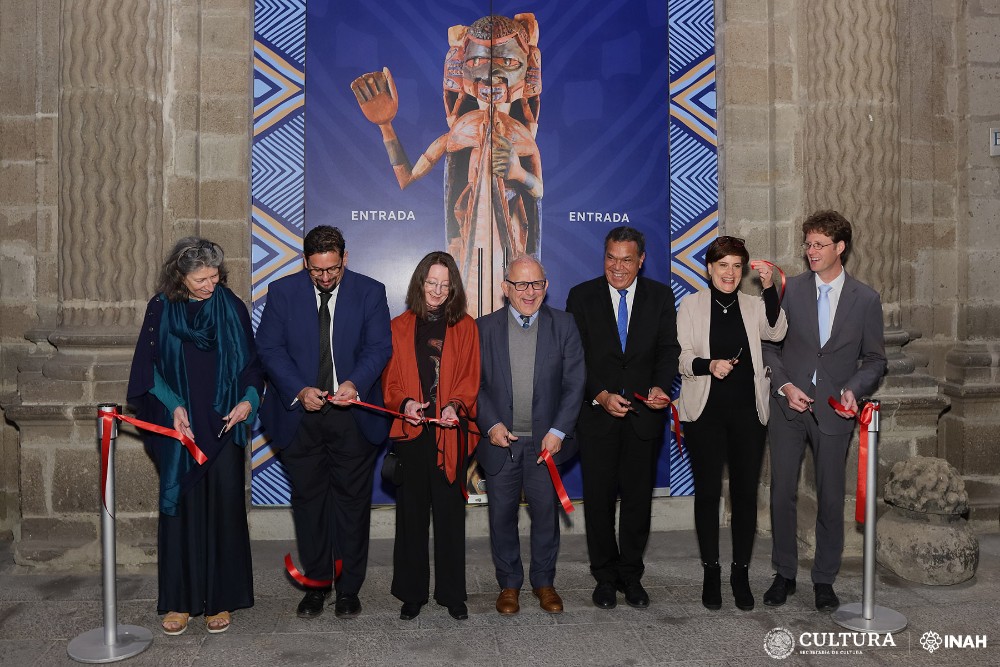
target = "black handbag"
x: 392, y: 467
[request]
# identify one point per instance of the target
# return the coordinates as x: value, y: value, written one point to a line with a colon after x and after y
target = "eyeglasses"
x: 733, y: 240
x: 816, y: 245
x: 435, y: 286
x: 332, y: 270
x: 522, y: 285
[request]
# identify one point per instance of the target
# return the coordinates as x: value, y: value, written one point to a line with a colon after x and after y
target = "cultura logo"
x: 931, y: 641
x: 779, y: 643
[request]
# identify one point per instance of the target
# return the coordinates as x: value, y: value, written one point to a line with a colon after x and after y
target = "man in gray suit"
x: 529, y: 399
x: 834, y: 348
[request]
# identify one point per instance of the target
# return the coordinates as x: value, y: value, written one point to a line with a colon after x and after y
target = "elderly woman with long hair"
x: 195, y: 370
x: 724, y: 402
x: 433, y: 373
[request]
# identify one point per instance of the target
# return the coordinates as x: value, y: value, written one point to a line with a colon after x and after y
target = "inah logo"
x: 931, y: 641
x: 779, y: 643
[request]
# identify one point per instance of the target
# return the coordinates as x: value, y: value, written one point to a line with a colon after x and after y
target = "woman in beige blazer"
x: 724, y: 400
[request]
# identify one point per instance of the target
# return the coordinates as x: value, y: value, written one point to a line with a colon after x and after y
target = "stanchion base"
x: 90, y: 646
x: 851, y: 616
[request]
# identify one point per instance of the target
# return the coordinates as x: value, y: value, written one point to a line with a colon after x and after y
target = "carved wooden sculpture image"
x: 493, y: 170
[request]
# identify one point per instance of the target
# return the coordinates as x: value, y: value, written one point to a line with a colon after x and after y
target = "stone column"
x: 108, y: 235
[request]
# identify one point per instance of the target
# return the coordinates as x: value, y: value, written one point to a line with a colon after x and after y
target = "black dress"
x: 204, y: 560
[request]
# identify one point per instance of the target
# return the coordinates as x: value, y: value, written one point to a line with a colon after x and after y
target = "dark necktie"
x: 525, y: 321
x: 325, y: 379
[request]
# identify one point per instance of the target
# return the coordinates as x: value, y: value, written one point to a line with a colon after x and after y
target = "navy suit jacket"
x: 558, y: 382
x: 853, y: 358
x: 288, y: 346
x: 650, y: 358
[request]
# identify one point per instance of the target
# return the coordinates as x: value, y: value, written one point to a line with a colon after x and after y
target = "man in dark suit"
x: 529, y: 399
x: 834, y: 348
x: 324, y: 334
x: 629, y: 332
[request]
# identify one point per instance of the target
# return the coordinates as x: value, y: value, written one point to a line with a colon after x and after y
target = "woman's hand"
x: 720, y: 368
x: 181, y: 422
x: 237, y: 415
x: 414, y: 411
x: 449, y: 415
x: 766, y: 274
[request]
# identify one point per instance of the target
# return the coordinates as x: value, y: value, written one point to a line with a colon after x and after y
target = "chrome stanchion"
x: 866, y: 616
x: 112, y: 642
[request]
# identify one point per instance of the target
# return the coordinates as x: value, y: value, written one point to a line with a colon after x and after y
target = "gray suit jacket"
x: 558, y: 382
x: 853, y: 358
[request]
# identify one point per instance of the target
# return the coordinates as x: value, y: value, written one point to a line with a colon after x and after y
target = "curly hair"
x: 189, y: 254
x: 833, y: 224
x: 454, y: 305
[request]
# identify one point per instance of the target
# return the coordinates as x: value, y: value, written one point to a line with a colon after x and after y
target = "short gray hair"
x: 521, y: 258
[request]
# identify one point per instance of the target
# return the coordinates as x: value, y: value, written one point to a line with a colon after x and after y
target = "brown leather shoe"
x: 548, y: 599
x: 507, y: 603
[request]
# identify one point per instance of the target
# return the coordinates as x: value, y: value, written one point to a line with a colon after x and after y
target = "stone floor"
x: 41, y: 612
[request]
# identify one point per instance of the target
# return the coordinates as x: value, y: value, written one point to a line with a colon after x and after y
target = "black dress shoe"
x: 312, y: 604
x: 826, y: 599
x: 635, y: 594
x: 459, y: 611
x: 347, y: 605
x: 778, y: 593
x: 605, y: 596
x: 410, y: 610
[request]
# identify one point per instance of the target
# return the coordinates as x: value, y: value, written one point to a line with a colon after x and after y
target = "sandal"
x: 175, y: 623
x: 218, y: 622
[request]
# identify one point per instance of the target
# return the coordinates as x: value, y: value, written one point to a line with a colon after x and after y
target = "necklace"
x: 725, y: 309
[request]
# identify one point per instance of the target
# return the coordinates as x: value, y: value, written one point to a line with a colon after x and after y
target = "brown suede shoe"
x: 548, y: 599
x: 507, y: 601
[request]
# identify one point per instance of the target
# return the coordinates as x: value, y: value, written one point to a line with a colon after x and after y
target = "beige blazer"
x: 693, y: 319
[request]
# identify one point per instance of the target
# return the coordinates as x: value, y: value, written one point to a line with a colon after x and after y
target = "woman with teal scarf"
x: 195, y: 370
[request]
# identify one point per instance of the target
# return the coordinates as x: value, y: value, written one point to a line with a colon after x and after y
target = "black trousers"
x: 618, y: 464
x: 734, y: 437
x: 425, y: 489
x: 203, y: 555
x: 330, y: 465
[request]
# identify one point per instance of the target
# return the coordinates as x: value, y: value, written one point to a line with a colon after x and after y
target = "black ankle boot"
x: 711, y: 587
x: 740, y: 581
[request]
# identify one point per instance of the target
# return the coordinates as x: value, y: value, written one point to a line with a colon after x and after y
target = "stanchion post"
x: 112, y: 642
x: 866, y: 616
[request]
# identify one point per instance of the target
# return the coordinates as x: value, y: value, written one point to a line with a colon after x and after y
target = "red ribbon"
x: 312, y: 583
x: 557, y: 483
x: 399, y: 415
x: 107, y: 421
x: 673, y: 412
x: 865, y: 418
x: 755, y: 263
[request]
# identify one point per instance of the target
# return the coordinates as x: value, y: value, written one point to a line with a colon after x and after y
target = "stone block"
x: 226, y: 74
x: 225, y: 200
x: 745, y: 43
x: 226, y: 114
x: 137, y: 531
x: 184, y: 149
x: 17, y: 183
x: 982, y: 321
x: 34, y: 484
x: 746, y: 10
x: 76, y: 481
x: 748, y: 166
x: 787, y: 202
x: 784, y: 83
x: 18, y: 53
x: 182, y: 198
x: 981, y: 40
x: 18, y: 138
x: 226, y: 32
x: 983, y: 182
x: 746, y: 125
x: 64, y: 530
x: 224, y: 156
x: 747, y: 85
x: 944, y: 201
x: 747, y: 204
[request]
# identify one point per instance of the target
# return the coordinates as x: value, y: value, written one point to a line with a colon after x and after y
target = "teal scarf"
x: 216, y: 326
